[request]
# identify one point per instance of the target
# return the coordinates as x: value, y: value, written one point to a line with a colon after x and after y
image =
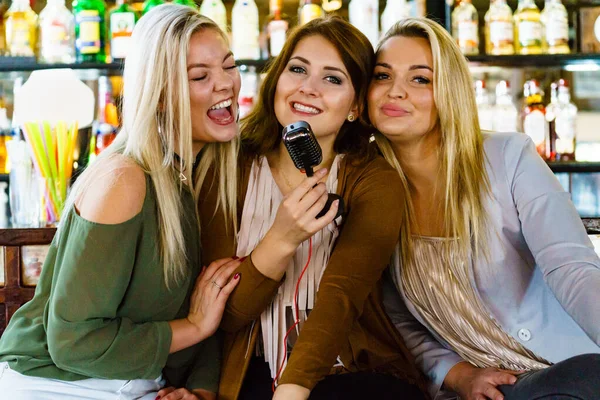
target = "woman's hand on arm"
x: 473, y: 383
x: 294, y: 223
x: 213, y: 287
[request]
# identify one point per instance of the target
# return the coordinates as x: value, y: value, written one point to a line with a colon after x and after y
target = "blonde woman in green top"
x: 122, y: 307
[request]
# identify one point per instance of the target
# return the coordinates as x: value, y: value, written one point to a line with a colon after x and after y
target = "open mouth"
x: 304, y: 109
x: 221, y: 113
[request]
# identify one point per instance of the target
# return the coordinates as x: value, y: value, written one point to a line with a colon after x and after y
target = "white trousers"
x: 15, y: 386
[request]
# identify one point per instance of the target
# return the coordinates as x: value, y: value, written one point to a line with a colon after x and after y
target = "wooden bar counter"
x: 22, y: 253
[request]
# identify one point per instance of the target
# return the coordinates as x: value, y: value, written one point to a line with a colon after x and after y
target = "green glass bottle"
x: 190, y: 3
x: 90, y: 30
x: 150, y: 4
x: 121, y: 19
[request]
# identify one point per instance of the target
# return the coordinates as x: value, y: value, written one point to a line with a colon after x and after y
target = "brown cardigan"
x: 348, y: 318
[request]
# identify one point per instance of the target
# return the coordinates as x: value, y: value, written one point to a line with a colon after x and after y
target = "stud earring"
x: 351, y: 118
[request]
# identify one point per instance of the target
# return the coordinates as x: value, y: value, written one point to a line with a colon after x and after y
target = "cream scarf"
x: 260, y: 208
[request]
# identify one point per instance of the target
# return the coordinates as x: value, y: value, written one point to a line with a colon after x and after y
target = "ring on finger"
x: 216, y: 285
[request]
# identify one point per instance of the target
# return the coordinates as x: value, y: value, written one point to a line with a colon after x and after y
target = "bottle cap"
x: 502, y: 88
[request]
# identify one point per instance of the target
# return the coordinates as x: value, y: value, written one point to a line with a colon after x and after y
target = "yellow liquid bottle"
x: 528, y: 28
x: 556, y: 28
x: 499, y: 29
x: 21, y: 29
x: 309, y: 10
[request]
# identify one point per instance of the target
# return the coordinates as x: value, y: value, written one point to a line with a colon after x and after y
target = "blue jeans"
x: 576, y: 378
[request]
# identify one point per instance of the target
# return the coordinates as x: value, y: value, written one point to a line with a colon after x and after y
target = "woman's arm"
x: 362, y: 252
x: 92, y: 274
x: 555, y: 234
x: 431, y: 356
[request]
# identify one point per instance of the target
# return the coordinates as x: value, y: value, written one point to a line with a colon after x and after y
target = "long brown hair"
x: 260, y: 130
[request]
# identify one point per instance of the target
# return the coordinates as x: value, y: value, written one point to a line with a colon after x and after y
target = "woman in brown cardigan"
x: 347, y: 347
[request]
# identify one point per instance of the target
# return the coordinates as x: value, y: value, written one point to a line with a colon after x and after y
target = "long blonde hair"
x: 157, y: 124
x: 463, y: 158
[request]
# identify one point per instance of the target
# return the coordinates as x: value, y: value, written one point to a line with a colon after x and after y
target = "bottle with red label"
x: 276, y: 28
x: 248, y: 90
x: 107, y: 121
x: 534, y: 117
x: 561, y: 115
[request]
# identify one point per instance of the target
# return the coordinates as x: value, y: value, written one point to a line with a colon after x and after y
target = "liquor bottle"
x: 551, y: 111
x: 245, y: 30
x: 90, y: 30
x: 561, y: 115
x: 15, y: 127
x: 485, y: 111
x: 20, y: 23
x: 189, y: 3
x: 309, y: 10
x: 465, y: 27
x: 57, y: 33
x: 122, y: 20
x: 534, y: 116
x: 394, y: 11
x: 3, y: 8
x: 248, y: 90
x: 276, y: 28
x: 107, y: 121
x: 5, y: 134
x: 528, y: 28
x: 506, y: 114
x: 150, y: 4
x: 499, y: 29
x: 215, y: 10
x: 556, y: 28
x: 364, y: 15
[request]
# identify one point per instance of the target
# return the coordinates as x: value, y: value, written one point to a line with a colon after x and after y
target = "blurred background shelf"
x: 572, y: 62
x: 574, y: 167
x: 28, y: 64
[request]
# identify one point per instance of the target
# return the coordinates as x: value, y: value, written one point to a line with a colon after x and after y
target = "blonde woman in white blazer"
x: 495, y: 286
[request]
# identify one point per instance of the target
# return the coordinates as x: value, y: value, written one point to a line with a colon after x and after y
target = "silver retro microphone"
x: 305, y: 152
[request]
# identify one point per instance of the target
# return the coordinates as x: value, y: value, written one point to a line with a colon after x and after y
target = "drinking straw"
x: 63, y: 146
x: 73, y: 133
x: 52, y: 154
x: 34, y: 139
x: 50, y: 149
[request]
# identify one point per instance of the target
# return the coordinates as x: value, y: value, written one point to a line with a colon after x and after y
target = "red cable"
x: 297, y: 321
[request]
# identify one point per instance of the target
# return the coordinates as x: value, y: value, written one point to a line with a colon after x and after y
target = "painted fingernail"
x: 243, y: 258
x: 237, y: 276
x: 157, y: 398
x: 235, y: 257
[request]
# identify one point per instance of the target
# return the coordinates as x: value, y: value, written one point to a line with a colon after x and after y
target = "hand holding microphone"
x: 306, y: 153
x: 303, y: 212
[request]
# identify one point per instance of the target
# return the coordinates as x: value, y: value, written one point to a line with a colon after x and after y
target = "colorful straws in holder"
x: 52, y: 151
